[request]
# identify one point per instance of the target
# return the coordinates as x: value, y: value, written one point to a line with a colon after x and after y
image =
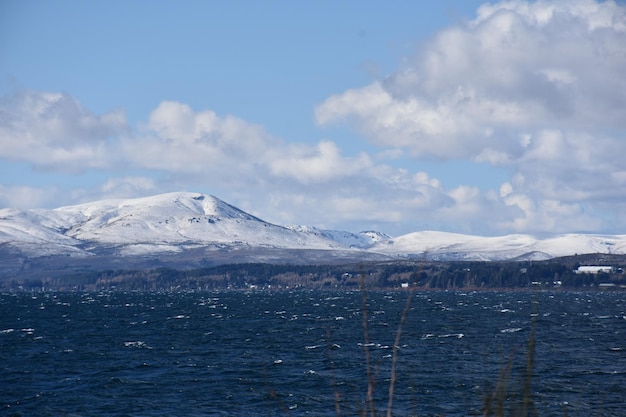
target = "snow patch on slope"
x: 362, y: 240
x: 35, y: 231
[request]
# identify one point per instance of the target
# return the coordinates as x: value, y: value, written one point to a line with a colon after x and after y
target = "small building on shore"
x: 595, y: 269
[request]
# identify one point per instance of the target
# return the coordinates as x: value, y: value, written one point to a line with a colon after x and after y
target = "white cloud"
x: 506, y: 189
x: 239, y: 161
x: 127, y: 186
x: 20, y: 196
x: 54, y: 131
x: 537, y: 88
x: 297, y: 183
x: 541, y: 13
x: 228, y: 150
x: 322, y: 163
x: 573, y: 166
x: 178, y: 139
x: 547, y: 215
x: 518, y: 67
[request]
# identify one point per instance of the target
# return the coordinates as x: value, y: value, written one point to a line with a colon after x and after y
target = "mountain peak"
x: 161, y: 205
x: 183, y: 221
x: 171, y: 222
x: 198, y: 203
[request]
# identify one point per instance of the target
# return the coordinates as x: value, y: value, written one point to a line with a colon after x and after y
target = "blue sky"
x: 463, y: 116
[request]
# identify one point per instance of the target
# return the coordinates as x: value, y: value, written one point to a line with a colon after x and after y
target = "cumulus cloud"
x: 186, y: 143
x: 536, y: 88
x: 120, y: 187
x: 517, y: 67
x: 22, y: 196
x: 321, y: 163
x: 294, y: 182
x: 180, y: 140
x: 182, y: 148
x: 54, y: 131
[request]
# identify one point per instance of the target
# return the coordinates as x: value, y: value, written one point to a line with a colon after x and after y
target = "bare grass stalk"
x: 527, y: 402
x: 394, y: 358
x: 371, y: 383
x: 526, y: 407
x: 495, y: 404
x: 332, y: 374
x: 500, y: 392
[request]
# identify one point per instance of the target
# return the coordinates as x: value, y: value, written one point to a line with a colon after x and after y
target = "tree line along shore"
x: 417, y: 274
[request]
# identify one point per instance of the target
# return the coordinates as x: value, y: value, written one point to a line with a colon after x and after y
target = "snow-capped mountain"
x: 453, y: 246
x: 170, y: 222
x: 176, y: 225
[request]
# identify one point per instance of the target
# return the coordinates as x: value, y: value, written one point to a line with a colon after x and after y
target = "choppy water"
x: 293, y: 353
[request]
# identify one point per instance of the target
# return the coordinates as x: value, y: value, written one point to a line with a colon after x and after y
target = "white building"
x: 591, y: 269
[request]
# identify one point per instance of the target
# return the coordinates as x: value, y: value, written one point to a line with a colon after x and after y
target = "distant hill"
x: 188, y: 230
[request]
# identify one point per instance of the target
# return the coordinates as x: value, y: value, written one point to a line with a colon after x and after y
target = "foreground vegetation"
x: 377, y: 275
x: 511, y: 394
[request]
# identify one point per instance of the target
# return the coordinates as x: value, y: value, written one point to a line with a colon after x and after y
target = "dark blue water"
x: 302, y: 353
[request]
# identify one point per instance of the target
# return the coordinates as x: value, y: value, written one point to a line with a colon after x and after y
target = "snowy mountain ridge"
x: 169, y: 222
x: 180, y: 222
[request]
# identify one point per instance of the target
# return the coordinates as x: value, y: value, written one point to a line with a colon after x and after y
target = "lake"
x: 296, y: 353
